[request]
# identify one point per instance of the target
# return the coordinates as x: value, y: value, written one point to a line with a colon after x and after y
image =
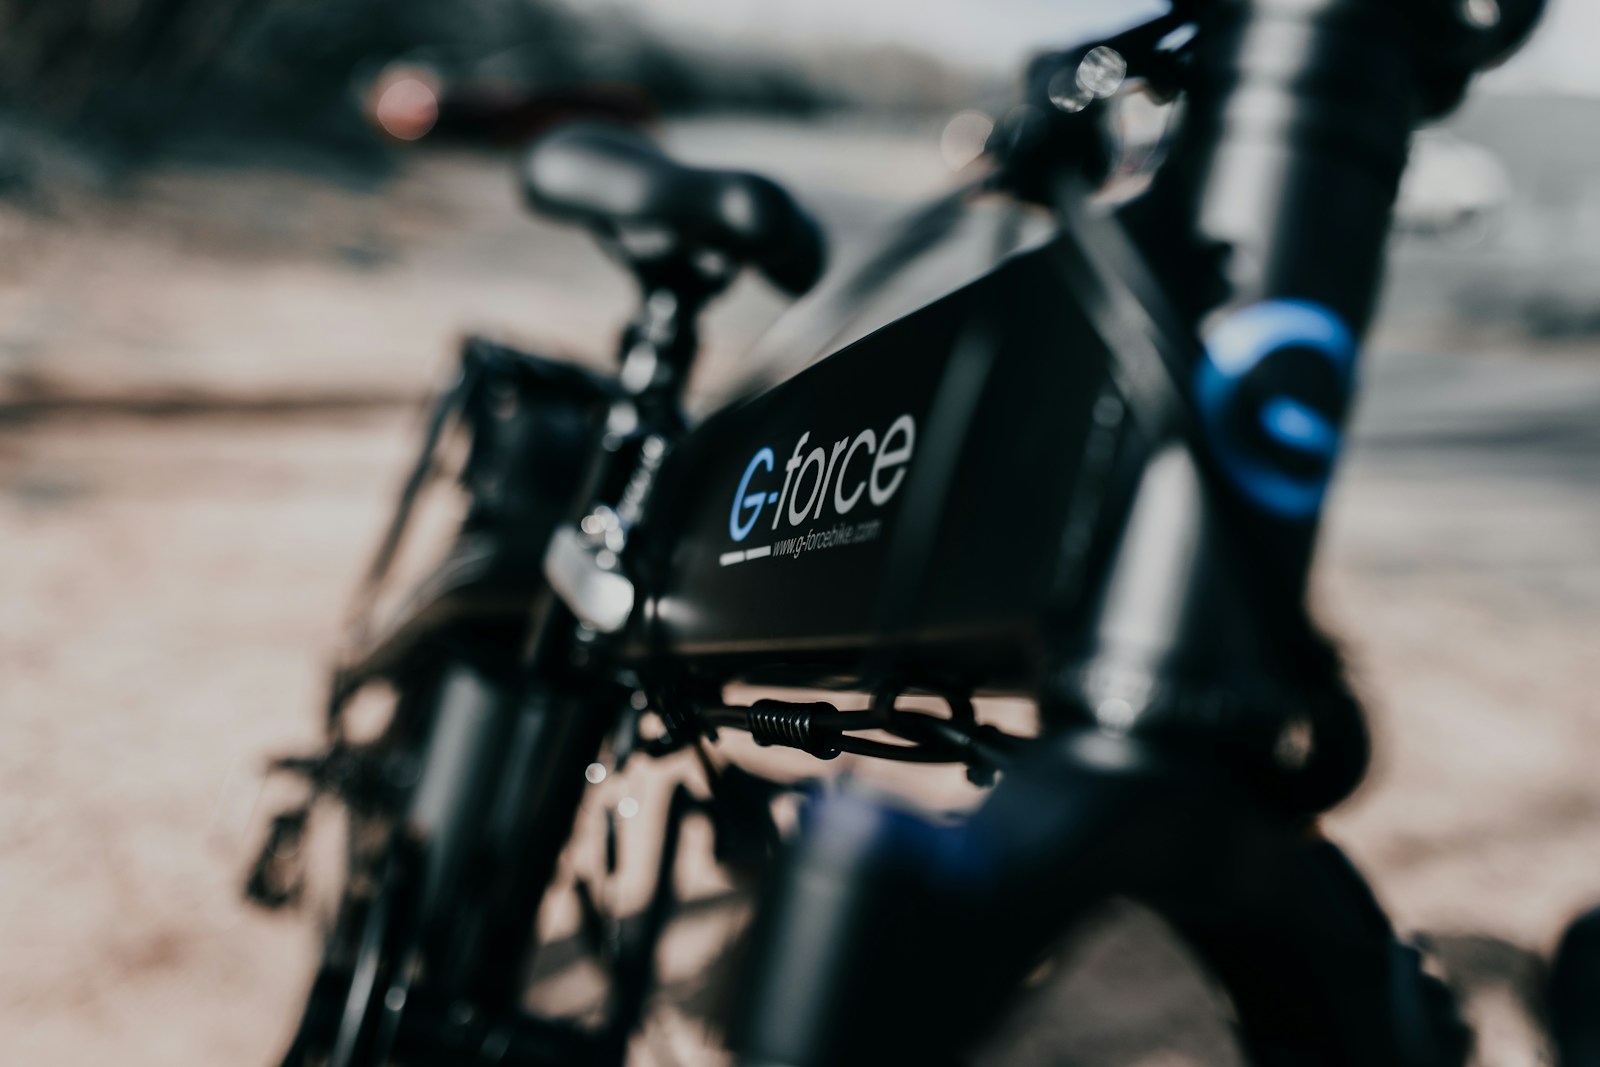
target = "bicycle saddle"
x: 614, y: 181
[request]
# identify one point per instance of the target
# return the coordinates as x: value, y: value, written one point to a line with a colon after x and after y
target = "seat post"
x: 683, y: 232
x: 658, y: 348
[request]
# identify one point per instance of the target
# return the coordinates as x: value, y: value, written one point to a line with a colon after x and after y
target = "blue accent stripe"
x: 1235, y: 348
x: 1304, y: 429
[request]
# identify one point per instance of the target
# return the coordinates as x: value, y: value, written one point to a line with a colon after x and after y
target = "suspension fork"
x: 558, y: 731
x: 497, y: 793
x: 426, y: 869
x: 455, y: 784
x: 889, y: 938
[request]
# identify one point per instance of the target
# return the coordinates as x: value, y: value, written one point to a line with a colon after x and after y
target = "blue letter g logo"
x: 744, y: 500
x: 1278, y: 448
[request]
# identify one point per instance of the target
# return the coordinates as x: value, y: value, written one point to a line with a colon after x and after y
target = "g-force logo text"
x: 829, y: 481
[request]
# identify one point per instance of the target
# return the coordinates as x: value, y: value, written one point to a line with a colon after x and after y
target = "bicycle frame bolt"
x: 1483, y: 14
x: 1115, y: 715
x: 1103, y: 70
x: 1295, y: 744
x: 1065, y: 94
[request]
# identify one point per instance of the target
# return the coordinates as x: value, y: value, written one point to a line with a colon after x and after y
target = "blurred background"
x: 238, y: 241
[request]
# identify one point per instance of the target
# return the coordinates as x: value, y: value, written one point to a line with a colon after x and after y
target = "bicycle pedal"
x: 277, y: 878
x: 313, y: 769
x: 438, y: 1031
x: 599, y: 930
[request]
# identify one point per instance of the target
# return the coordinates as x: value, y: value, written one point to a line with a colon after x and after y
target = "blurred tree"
x: 128, y: 73
x: 130, y: 77
x: 69, y: 59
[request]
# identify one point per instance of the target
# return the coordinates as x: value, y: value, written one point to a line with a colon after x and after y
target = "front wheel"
x: 1575, y: 994
x: 351, y: 1015
x: 425, y: 961
x: 411, y: 840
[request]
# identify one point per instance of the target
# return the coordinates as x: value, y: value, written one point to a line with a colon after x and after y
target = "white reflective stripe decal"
x: 727, y: 559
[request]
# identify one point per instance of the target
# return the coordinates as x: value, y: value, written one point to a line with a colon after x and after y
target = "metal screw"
x: 1484, y: 14
x: 1295, y: 744
x: 1098, y: 75
x: 1064, y: 92
x: 1115, y: 715
x: 1102, y: 71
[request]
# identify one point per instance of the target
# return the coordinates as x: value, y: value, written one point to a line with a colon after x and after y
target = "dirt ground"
x: 215, y: 372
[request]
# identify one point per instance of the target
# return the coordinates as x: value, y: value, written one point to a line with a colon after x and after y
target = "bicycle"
x: 1091, y: 477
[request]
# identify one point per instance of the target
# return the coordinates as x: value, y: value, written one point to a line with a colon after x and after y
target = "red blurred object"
x: 407, y: 102
x: 404, y: 102
x: 511, y: 114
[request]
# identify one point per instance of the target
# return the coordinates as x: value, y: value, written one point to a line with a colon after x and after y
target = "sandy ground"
x: 168, y: 584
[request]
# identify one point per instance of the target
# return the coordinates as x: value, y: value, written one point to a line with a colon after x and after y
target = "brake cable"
x: 822, y: 730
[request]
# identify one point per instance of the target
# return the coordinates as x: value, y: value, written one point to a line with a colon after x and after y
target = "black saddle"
x: 617, y: 182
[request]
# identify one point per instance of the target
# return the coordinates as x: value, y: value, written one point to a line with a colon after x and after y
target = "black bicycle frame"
x: 910, y: 503
x: 925, y: 508
x: 929, y: 501
x: 1044, y: 483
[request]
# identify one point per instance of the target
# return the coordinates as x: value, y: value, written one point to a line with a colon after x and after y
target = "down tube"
x: 918, y: 496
